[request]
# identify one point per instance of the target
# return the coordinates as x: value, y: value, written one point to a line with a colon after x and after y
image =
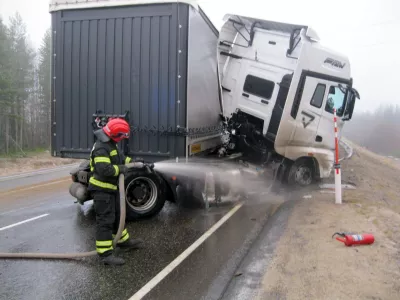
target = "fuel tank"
x: 80, y: 192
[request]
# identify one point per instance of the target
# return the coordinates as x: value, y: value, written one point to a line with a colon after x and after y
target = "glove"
x: 122, y: 169
x: 150, y: 165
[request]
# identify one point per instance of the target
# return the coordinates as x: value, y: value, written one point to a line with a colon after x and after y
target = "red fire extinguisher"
x: 355, y: 239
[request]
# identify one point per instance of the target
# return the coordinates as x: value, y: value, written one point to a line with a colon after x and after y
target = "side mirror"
x: 350, y: 105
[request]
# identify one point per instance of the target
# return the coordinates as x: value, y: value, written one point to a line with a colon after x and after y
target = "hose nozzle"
x: 342, y: 234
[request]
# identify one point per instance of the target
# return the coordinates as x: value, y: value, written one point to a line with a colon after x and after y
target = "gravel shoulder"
x: 309, y: 264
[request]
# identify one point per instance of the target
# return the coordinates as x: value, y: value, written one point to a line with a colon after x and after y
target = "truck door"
x: 309, y: 112
x: 335, y: 99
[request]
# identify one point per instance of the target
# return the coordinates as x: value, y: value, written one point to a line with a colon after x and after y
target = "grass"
x: 350, y: 201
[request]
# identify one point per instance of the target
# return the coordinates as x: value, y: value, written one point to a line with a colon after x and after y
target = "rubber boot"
x: 112, y: 260
x: 130, y: 244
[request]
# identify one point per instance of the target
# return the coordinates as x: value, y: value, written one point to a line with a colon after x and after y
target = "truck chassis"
x: 148, y: 189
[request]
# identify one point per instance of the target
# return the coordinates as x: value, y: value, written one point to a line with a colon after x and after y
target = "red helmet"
x: 117, y: 129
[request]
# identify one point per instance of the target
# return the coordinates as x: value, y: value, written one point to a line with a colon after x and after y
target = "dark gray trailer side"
x: 158, y: 62
x: 118, y: 59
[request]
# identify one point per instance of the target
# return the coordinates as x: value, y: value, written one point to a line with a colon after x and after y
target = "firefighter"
x: 106, y: 164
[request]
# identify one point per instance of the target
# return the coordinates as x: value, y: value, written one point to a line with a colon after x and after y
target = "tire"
x: 145, y: 195
x: 301, y: 173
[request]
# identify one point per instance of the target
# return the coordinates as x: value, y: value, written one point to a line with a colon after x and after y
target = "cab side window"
x: 259, y: 87
x: 336, y: 99
x: 318, y: 96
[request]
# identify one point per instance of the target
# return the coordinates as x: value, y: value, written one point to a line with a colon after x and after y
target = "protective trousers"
x: 107, y: 211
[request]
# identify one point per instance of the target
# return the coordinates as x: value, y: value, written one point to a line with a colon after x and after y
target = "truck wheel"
x: 301, y: 173
x: 145, y: 195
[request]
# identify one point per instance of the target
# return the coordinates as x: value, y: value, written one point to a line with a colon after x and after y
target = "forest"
x: 24, y: 89
x: 378, y: 131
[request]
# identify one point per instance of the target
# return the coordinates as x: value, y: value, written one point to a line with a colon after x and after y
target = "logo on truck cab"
x: 310, y: 116
x: 334, y: 62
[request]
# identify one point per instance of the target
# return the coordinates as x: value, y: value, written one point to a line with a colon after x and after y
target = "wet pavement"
x: 209, y: 270
x: 35, y: 177
x: 69, y: 227
x: 247, y: 283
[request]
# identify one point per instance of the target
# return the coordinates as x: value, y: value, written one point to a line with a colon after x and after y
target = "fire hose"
x: 121, y: 183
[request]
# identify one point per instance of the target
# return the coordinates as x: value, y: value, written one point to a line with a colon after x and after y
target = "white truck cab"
x: 279, y: 90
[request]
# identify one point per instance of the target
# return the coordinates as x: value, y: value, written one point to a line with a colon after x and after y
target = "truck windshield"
x: 336, y: 99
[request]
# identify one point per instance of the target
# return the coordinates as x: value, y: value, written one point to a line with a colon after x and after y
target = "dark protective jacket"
x: 105, y: 159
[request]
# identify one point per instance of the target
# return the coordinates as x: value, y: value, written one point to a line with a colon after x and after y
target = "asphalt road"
x: 57, y: 224
x: 35, y: 177
x: 37, y: 214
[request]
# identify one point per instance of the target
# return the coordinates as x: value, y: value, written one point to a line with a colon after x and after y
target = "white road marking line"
x: 175, y: 263
x: 34, y: 187
x: 22, y: 222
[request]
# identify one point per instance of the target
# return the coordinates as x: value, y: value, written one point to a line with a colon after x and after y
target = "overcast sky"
x: 368, y: 31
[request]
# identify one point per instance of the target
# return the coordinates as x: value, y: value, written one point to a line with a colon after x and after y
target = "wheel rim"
x: 303, y: 175
x: 141, y: 194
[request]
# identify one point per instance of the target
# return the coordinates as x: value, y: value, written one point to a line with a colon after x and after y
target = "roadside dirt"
x: 13, y: 166
x: 309, y: 264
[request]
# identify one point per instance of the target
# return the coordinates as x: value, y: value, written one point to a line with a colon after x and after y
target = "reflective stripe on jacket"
x: 105, y: 158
